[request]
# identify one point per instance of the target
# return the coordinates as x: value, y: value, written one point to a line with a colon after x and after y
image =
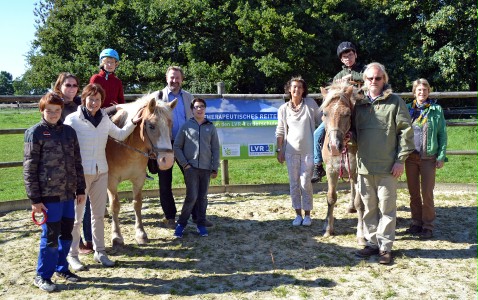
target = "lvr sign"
x: 261, y: 149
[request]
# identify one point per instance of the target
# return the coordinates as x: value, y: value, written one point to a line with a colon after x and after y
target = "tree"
x: 6, y: 86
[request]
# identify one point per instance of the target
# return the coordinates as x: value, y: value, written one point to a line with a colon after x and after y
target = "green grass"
x: 459, y: 168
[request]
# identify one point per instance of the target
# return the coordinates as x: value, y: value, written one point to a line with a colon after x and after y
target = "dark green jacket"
x: 356, y: 71
x: 384, y: 133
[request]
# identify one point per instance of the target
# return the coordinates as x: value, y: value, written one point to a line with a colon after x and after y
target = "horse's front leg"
x: 141, y: 236
x: 328, y: 227
x: 359, y: 206
x: 116, y: 237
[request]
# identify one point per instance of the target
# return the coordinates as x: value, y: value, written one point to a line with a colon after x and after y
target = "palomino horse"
x: 127, y: 160
x: 339, y: 153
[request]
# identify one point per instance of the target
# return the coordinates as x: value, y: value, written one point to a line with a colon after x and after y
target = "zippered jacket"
x: 197, y: 145
x: 436, y: 132
x: 52, y: 167
x: 384, y: 133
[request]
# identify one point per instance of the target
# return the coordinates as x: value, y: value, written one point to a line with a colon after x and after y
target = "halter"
x: 153, y: 153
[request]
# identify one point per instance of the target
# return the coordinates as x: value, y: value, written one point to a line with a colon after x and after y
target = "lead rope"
x: 344, y: 157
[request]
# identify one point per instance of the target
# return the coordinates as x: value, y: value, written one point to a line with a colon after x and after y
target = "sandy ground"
x: 253, y: 252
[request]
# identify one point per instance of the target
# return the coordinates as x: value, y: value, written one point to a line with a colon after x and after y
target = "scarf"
x: 419, y: 112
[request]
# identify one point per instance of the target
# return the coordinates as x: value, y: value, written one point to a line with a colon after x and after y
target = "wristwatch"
x: 278, y: 150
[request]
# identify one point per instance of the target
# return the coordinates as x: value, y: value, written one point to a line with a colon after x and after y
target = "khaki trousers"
x: 96, y: 189
x: 379, y: 195
x: 421, y: 182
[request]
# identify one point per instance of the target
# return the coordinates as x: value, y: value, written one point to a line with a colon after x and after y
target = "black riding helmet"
x: 344, y: 46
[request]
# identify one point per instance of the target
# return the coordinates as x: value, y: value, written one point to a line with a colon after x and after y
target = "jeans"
x: 166, y: 197
x: 87, y: 222
x: 56, y: 238
x: 197, y: 184
x: 319, y: 134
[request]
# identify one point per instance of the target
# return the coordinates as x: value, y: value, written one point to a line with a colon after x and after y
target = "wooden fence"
x: 29, y: 100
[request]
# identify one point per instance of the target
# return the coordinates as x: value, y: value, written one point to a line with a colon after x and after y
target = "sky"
x: 17, y: 30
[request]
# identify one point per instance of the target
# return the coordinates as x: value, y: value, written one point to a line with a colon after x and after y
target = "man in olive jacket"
x: 384, y: 139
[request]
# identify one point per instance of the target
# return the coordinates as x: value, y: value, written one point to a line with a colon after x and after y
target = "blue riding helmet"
x: 109, y: 53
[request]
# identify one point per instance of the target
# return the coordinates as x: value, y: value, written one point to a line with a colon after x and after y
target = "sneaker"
x: 101, y: 257
x: 179, y: 231
x: 297, y: 221
x: 44, y: 284
x: 75, y: 263
x: 86, y: 248
x: 202, y: 230
x: 414, y: 229
x: 169, y: 223
x: 68, y: 276
x: 425, y: 234
x: 319, y: 172
x: 385, y: 257
x: 149, y: 177
x: 367, y: 252
x: 207, y: 223
x: 307, y: 221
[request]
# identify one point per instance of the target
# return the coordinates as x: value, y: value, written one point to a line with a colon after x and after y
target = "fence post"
x: 224, y: 163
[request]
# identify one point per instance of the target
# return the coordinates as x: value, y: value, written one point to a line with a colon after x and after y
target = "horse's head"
x: 155, y: 129
x: 337, y: 106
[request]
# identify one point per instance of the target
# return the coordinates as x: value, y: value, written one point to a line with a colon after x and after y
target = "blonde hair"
x: 422, y: 81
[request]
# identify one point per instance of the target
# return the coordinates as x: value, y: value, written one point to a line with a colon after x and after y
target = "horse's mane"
x: 128, y: 110
x: 337, y: 90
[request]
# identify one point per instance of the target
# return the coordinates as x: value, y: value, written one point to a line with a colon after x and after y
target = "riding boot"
x: 319, y: 172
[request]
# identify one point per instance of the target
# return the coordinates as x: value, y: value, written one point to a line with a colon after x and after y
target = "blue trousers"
x: 56, y: 238
x: 197, y: 184
x: 87, y: 222
x: 319, y: 134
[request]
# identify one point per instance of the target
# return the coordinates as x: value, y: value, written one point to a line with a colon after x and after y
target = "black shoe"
x: 425, y: 234
x: 68, y: 276
x: 414, y: 229
x: 319, y: 172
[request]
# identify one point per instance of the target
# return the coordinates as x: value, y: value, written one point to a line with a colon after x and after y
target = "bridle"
x: 153, y: 153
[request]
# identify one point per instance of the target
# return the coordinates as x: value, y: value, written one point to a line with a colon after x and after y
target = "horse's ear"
x: 173, y: 103
x: 323, y: 91
x: 152, y: 105
x: 349, y: 91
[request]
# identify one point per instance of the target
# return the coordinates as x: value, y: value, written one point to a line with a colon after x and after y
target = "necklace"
x: 296, y: 108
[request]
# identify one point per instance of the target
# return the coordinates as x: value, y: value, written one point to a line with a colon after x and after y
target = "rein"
x: 344, y: 157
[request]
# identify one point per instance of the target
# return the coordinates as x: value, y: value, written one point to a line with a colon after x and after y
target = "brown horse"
x: 127, y: 160
x: 339, y: 153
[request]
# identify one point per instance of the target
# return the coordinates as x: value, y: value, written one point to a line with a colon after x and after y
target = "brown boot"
x: 385, y: 257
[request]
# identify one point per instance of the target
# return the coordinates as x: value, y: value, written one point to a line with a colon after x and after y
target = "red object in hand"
x: 42, y: 221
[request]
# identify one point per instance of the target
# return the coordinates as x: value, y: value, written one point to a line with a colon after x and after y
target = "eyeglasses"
x: 199, y: 107
x: 68, y: 85
x: 376, y: 78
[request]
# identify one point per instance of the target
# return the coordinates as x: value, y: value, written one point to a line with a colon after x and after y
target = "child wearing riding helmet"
x: 109, y: 61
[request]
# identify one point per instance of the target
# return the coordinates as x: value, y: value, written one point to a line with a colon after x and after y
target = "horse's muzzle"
x: 165, y: 160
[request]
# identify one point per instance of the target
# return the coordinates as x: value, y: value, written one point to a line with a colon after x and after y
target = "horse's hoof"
x: 351, y: 210
x: 117, y: 242
x: 142, y: 240
x: 328, y: 234
x: 361, y: 241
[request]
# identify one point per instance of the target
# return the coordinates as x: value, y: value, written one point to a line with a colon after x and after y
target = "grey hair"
x: 376, y: 65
